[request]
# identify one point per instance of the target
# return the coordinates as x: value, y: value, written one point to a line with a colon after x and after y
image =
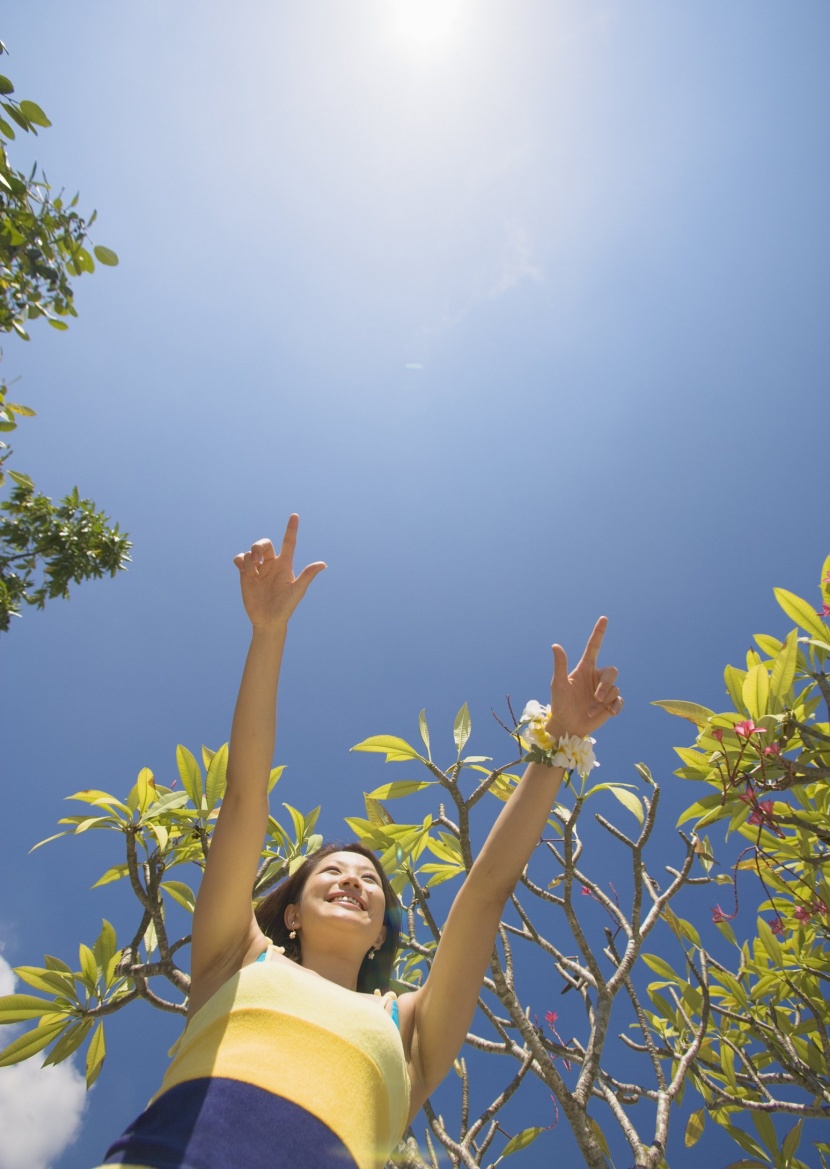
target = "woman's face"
x: 345, y: 888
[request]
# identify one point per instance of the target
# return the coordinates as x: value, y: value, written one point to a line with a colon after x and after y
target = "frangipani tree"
x: 740, y: 1022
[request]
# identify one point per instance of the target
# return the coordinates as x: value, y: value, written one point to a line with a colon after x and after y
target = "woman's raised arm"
x: 223, y: 922
x: 437, y: 1016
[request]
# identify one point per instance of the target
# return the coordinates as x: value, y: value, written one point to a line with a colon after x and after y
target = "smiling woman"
x: 287, y: 1001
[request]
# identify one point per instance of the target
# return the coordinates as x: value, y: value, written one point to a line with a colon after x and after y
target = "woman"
x: 288, y: 1059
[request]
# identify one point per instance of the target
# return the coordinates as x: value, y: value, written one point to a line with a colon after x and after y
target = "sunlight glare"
x: 429, y: 28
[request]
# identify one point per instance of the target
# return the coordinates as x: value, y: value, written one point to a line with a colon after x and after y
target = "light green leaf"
x: 105, y: 945
x: 424, y: 730
x: 694, y: 1127
x: 659, y: 966
x: 15, y: 1008
x: 52, y: 981
x: 628, y: 800
x: 274, y: 777
x: 699, y: 715
x: 521, y: 1140
x: 783, y: 670
x: 216, y: 779
x: 461, y: 728
x: 105, y: 256
x: 31, y: 1042
x: 95, y: 1055
x: 32, y: 112
x: 145, y: 789
x: 69, y: 1042
x: 802, y: 613
x: 734, y: 679
x: 116, y: 873
x: 401, y: 787
x: 393, y: 748
x: 190, y: 774
x: 755, y: 691
x: 89, y: 967
x: 181, y: 893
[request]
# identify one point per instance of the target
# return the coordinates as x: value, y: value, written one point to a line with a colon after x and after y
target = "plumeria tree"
x: 727, y: 1004
x: 44, y: 248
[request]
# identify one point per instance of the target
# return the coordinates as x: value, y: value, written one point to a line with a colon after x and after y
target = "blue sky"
x: 524, y: 309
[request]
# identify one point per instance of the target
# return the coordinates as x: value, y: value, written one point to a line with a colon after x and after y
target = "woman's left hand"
x: 582, y: 700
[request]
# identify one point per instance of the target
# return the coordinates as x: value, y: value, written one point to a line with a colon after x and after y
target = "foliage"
x: 742, y: 1024
x: 42, y: 249
x: 41, y: 239
x: 44, y: 546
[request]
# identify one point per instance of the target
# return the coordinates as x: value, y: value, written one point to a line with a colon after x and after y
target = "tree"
x: 43, y: 546
x: 742, y: 1024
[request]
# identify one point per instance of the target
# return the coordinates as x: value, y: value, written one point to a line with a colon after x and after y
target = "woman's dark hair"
x: 375, y: 973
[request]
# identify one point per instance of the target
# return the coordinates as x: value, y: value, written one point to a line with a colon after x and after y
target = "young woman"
x: 288, y: 1059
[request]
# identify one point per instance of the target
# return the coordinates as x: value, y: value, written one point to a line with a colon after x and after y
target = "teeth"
x: 350, y: 900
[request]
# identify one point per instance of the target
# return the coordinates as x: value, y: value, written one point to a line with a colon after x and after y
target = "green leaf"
x: 391, y: 746
x: 95, y: 1055
x: 31, y: 1042
x: 699, y: 715
x: 190, y: 774
x: 802, y: 613
x: 734, y: 679
x: 755, y: 691
x: 694, y: 1127
x: 181, y: 893
x: 145, y: 789
x: 783, y: 670
x: 69, y: 1042
x: 521, y: 1140
x: 216, y: 779
x: 32, y: 112
x: 105, y: 256
x: 791, y: 1141
x: 274, y: 777
x: 16, y: 1008
x: 116, y: 873
x: 401, y: 787
x: 89, y: 967
x: 461, y: 728
x: 659, y: 966
x: 766, y: 1130
x: 6, y: 86
x: 54, y: 982
x: 424, y: 731
x: 628, y: 800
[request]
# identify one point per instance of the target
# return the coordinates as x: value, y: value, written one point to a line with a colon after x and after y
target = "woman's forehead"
x: 353, y: 861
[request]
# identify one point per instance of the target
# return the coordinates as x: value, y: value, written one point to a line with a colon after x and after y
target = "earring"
x: 371, y: 955
x: 293, y: 935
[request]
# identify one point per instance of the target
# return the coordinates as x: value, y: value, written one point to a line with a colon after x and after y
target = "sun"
x: 427, y: 28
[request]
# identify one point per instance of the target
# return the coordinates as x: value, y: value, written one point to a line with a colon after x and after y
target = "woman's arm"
x: 223, y: 921
x: 438, y: 1015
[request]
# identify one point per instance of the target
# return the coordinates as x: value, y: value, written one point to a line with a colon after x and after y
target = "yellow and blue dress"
x: 279, y: 1068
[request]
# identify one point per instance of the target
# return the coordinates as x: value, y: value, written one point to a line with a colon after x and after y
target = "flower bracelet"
x: 569, y: 751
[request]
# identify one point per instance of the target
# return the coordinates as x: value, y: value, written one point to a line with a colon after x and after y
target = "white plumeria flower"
x: 576, y: 754
x: 533, y: 722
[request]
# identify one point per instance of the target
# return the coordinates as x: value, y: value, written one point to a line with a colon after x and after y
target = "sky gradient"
x: 523, y: 309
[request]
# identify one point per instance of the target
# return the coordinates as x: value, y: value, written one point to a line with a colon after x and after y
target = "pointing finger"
x: 289, y: 540
x: 589, y: 658
x: 560, y: 664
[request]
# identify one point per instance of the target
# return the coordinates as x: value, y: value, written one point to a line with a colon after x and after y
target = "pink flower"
x: 802, y: 914
x: 762, y: 813
x: 825, y: 610
x: 777, y: 925
x: 717, y: 733
x: 550, y: 1019
x: 747, y: 728
x: 586, y: 891
x: 773, y: 749
x: 719, y: 914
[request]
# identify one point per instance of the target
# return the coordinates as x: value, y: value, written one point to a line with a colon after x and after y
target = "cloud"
x: 40, y: 1108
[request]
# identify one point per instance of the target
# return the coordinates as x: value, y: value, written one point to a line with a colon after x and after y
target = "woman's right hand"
x: 270, y: 591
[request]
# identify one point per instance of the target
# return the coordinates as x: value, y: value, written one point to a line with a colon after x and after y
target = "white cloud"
x: 40, y: 1108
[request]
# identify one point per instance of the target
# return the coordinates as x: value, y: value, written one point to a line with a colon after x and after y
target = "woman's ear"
x: 291, y: 917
